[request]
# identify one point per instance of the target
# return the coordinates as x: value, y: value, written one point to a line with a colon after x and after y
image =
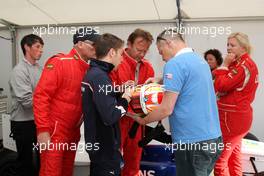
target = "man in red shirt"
x: 58, y: 107
x: 133, y: 69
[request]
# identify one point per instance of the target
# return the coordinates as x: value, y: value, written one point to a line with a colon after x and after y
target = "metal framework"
x: 13, y: 33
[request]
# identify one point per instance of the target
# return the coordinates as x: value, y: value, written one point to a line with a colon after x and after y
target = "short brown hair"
x: 105, y: 43
x: 140, y: 33
x: 30, y: 40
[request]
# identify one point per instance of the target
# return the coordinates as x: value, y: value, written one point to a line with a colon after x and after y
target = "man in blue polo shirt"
x: 190, y: 102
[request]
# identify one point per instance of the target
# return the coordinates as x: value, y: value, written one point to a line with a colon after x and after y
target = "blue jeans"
x: 197, y: 159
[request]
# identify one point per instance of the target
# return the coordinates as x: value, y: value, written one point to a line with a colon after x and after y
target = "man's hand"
x: 140, y: 120
x: 153, y: 80
x: 127, y: 84
x: 137, y: 118
x: 229, y: 59
x: 44, y: 138
x: 128, y: 93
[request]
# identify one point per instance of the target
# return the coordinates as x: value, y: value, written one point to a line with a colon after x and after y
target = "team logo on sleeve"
x: 168, y: 76
x: 234, y: 71
x: 49, y: 66
x: 76, y: 57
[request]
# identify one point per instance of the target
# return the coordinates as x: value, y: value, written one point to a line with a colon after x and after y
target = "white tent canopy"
x: 38, y: 12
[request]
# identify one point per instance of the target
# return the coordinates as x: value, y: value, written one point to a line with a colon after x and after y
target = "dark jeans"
x: 197, y: 159
x: 24, y: 133
x: 105, y: 164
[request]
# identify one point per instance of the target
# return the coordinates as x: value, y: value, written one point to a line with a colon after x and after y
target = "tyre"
x: 251, y: 136
x: 260, y: 174
x: 1, y: 145
x: 7, y: 163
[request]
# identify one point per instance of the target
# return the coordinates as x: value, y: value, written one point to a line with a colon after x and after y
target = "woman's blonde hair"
x: 242, y: 39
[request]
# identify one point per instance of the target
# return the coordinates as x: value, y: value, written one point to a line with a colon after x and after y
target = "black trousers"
x: 105, y: 169
x: 24, y: 133
x: 104, y: 164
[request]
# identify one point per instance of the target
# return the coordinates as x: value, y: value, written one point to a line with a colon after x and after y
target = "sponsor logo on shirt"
x: 168, y: 76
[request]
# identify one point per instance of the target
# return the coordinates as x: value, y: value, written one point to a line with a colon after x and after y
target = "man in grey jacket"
x: 23, y: 81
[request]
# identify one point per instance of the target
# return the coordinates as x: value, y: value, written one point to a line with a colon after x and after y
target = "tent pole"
x: 13, y: 33
x: 14, y: 45
x: 179, y: 12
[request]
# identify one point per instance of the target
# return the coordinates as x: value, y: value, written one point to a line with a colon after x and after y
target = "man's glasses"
x: 161, y: 38
x: 88, y: 42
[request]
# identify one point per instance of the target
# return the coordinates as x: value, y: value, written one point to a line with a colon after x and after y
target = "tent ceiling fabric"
x: 223, y: 8
x: 37, y: 12
x: 34, y: 12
